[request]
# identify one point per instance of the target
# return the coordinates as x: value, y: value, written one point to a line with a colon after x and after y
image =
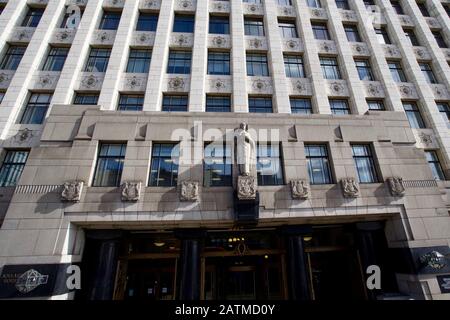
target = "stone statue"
x: 245, y: 151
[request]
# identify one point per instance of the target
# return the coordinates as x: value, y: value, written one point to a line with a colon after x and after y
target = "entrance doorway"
x: 243, y: 278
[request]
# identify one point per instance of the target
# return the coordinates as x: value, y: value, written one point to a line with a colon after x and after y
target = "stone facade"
x: 45, y: 216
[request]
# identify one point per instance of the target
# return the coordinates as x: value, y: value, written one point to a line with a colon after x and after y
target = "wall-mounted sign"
x: 444, y: 283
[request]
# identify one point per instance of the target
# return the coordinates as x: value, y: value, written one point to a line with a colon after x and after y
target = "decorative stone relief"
x: 246, y: 187
x: 91, y: 81
x: 24, y: 35
x: 350, y: 187
x: 374, y: 90
x: 143, y: 38
x: 440, y: 91
x: 181, y: 39
x: 46, y: 80
x: 337, y: 88
x: 151, y: 4
x: 5, y: 78
x: 256, y: 43
x: 327, y: 46
x: 396, y: 186
x: 421, y: 53
x: 131, y: 190
x: 261, y: 85
x: 64, y: 35
x: 318, y: 13
x: 405, y: 20
x: 288, y: 11
x: 176, y: 83
x: 293, y: 44
x: 72, y: 191
x: 392, y: 51
x: 189, y: 191
x: 23, y: 136
x: 434, y: 260
x: 360, y: 49
x: 300, y: 189
x: 219, y: 41
x: 220, y: 6
x: 432, y: 23
x: 300, y: 87
x: 185, y: 4
x: 407, y: 91
x: 348, y: 15
x: 133, y: 82
x: 104, y: 36
x: 219, y: 85
x: 425, y: 138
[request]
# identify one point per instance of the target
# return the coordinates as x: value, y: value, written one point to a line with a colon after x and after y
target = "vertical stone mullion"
x: 79, y: 50
x: 380, y: 66
x: 119, y: 54
x: 356, y: 89
x: 426, y: 95
x: 8, y: 19
x: 18, y: 89
x: 311, y: 59
x: 239, y: 69
x: 160, y: 53
x: 280, y: 87
x: 199, y: 57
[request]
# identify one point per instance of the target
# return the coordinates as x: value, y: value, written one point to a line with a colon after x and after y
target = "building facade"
x: 117, y: 123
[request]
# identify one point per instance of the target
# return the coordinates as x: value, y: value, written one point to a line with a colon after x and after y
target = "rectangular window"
x: 364, y: 70
x: 288, y: 29
x: 108, y: 171
x: 414, y: 116
x: 98, y: 60
x: 33, y: 17
x: 179, y: 62
x: 300, y: 105
x: 139, y: 60
x: 318, y: 163
x: 12, y: 58
x: 56, y: 59
x: 382, y: 36
x: 218, y: 104
x: 12, y: 167
x: 339, y: 106
x: 219, y: 25
x: 423, y: 8
x: 313, y: 3
x: 257, y: 64
x: 86, y: 98
x: 320, y: 31
x: 427, y: 72
x: 293, y: 66
x: 217, y: 168
x: 435, y: 165
x: 439, y: 39
x: 36, y: 108
x: 253, y: 27
x: 2, y: 95
x: 131, y: 102
x: 253, y: 1
x: 260, y: 105
x: 218, y: 63
x: 285, y: 2
x: 330, y: 68
x: 147, y: 22
x: 365, y: 164
x: 268, y: 164
x: 352, y: 33
x: 183, y: 23
x: 444, y: 109
x: 164, y: 166
x: 175, y: 103
x: 397, y: 7
x: 376, y: 105
x: 412, y: 37
x: 368, y: 3
x: 110, y: 20
x: 397, y: 71
x: 342, y: 4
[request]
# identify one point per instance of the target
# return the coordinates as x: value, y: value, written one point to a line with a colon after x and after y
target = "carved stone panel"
x: 440, y: 91
x: 134, y: 82
x: 337, y: 88
x: 293, y: 44
x: 348, y: 15
x: 5, y: 78
x: 301, y: 86
x: 91, y: 81
x: 103, y: 37
x: 407, y: 90
x: 219, y: 6
x: 260, y: 85
x: 151, y: 4
x: 374, y: 89
x: 179, y: 39
x: 22, y: 34
x: 300, y: 189
x: 246, y: 187
x: 350, y: 187
x: 360, y: 49
x: 131, y: 190
x: 71, y: 191
x: 391, y: 51
x: 253, y: 8
x: 286, y: 11
x: 46, y: 80
x: 143, y: 38
x: 422, y: 53
x: 396, y: 186
x: 185, y: 5
x: 63, y: 35
x: 189, y: 191
x: 327, y: 47
x: 256, y: 43
x: 219, y: 41
x: 219, y: 84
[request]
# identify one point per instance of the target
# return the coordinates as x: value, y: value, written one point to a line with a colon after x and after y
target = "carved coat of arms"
x: 246, y: 187
x: 72, y: 191
x: 189, y: 191
x: 350, y: 187
x: 299, y: 189
x: 396, y: 186
x: 131, y: 190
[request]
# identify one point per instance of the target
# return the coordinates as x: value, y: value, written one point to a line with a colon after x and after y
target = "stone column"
x: 189, y: 265
x: 102, y: 264
x: 297, y: 264
x: 108, y: 98
x: 160, y: 54
x: 9, y: 19
x: 368, y: 252
x: 239, y: 69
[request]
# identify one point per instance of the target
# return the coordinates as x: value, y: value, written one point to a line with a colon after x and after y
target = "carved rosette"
x: 23, y: 135
x: 151, y: 4
x: 360, y: 49
x: 425, y: 138
x: 103, y: 36
x: 261, y: 85
x: 189, y: 191
x: 337, y: 88
x: 300, y: 87
x: 131, y: 190
x: 300, y: 189
x: 133, y: 82
x: 63, y: 35
x: 219, y: 41
x: 71, y: 191
x: 176, y: 83
x: 373, y: 90
x: 5, y: 77
x: 392, y: 51
x: 406, y: 91
x: 256, y: 43
x: 90, y: 81
x: 350, y: 187
x: 219, y: 85
x: 396, y: 186
x: 246, y: 187
x: 181, y: 40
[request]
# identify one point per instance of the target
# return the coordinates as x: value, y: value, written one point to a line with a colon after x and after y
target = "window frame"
x: 226, y: 166
x: 279, y: 175
x: 305, y: 108
x: 110, y: 20
x: 11, y: 60
x: 78, y: 95
x: 97, y: 57
x: 184, y: 23
x: 253, y: 106
x: 352, y: 30
x: 175, y: 107
x: 217, y: 108
x: 220, y: 24
x: 139, y: 64
x: 145, y: 24
x: 12, y: 166
x: 414, y: 115
x: 254, y: 27
x: 327, y: 175
x: 288, y: 28
x: 293, y: 68
x: 330, y: 68
x: 36, y: 108
x: 32, y: 14
x: 320, y: 31
x: 371, y: 158
x: 124, y: 103
x: 436, y: 169
x: 399, y: 76
x: 120, y: 157
x: 257, y: 64
x: 364, y: 71
x: 177, y: 56
x: 339, y: 111
x: 55, y: 58
x: 217, y: 66
x: 173, y: 177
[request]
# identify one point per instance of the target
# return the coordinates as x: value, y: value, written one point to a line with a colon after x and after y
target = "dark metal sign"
x: 444, y: 283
